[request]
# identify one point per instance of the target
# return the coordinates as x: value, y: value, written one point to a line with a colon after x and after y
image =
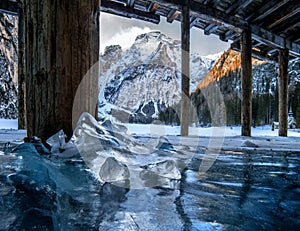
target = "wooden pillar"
x: 185, y: 68
x: 246, y: 82
x: 283, y: 92
x: 21, y: 70
x: 61, y: 45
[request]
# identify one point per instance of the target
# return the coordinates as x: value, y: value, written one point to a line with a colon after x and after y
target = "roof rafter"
x: 259, y: 33
x: 238, y: 5
x: 256, y: 53
x: 285, y: 17
x: 120, y: 9
x: 269, y: 10
x: 210, y: 29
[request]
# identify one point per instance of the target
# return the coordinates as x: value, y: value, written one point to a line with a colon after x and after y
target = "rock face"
x: 226, y: 75
x: 145, y: 79
x: 8, y: 67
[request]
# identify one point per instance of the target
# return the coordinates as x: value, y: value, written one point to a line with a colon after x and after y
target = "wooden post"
x: 61, y: 45
x: 246, y: 82
x: 185, y: 69
x: 21, y: 70
x: 283, y: 92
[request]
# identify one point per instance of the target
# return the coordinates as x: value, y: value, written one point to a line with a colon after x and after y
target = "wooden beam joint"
x: 172, y: 15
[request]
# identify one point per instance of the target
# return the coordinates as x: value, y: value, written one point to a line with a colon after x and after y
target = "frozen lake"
x: 243, y: 190
x: 250, y: 184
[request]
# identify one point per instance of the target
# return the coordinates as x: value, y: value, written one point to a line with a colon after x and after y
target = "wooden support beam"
x: 21, y: 70
x: 9, y: 7
x: 283, y: 92
x: 238, y: 24
x: 285, y: 17
x: 185, y: 69
x: 237, y: 5
x: 121, y: 10
x: 193, y: 21
x: 211, y: 28
x: 246, y: 80
x: 228, y: 35
x: 266, y: 10
x: 61, y: 47
x: 275, y: 41
x: 261, y: 55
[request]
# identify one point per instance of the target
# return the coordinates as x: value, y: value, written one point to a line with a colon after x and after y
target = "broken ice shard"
x: 118, y: 158
x: 113, y: 170
x: 167, y: 168
x: 164, y: 144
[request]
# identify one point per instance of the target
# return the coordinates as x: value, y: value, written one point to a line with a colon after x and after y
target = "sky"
x: 122, y: 31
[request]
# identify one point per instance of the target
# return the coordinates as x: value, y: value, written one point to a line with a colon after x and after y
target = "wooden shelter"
x: 263, y: 29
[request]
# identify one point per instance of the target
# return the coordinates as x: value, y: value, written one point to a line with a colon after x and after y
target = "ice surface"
x: 167, y: 168
x: 113, y: 155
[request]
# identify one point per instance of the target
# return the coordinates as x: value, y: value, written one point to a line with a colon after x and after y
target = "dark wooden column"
x: 246, y: 47
x: 61, y: 45
x: 21, y: 70
x: 185, y: 68
x: 283, y: 92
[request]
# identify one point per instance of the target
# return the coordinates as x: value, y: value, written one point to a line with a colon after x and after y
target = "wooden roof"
x: 274, y: 24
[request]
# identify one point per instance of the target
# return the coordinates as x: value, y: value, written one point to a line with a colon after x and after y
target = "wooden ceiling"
x: 274, y: 24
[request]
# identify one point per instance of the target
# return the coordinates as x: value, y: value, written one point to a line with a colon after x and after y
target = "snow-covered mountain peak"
x: 135, y: 79
x: 155, y: 36
x: 112, y: 50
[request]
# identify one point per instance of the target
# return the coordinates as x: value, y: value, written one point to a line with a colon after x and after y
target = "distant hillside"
x: 226, y: 74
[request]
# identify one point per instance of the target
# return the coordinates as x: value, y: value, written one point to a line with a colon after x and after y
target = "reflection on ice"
x: 113, y: 156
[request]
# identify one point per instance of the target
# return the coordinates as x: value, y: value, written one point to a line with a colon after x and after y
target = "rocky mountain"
x: 226, y: 74
x: 139, y: 83
x: 8, y: 67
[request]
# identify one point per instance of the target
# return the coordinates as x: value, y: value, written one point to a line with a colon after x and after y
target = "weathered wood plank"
x: 153, y: 7
x: 268, y: 8
x: 172, y: 15
x: 283, y: 92
x: 255, y: 53
x: 200, y: 10
x: 130, y: 3
x: 9, y: 7
x: 246, y: 82
x: 210, y: 29
x: 62, y: 44
x: 185, y: 68
x: 121, y: 10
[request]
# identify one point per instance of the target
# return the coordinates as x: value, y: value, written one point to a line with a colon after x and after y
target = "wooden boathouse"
x: 59, y: 44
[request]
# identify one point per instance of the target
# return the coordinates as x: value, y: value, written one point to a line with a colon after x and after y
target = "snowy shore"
x: 226, y: 138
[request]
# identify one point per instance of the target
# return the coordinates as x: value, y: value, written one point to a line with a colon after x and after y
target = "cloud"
x: 125, y: 38
x: 116, y: 30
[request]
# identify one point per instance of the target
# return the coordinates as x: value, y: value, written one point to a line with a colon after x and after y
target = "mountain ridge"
x: 152, y: 65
